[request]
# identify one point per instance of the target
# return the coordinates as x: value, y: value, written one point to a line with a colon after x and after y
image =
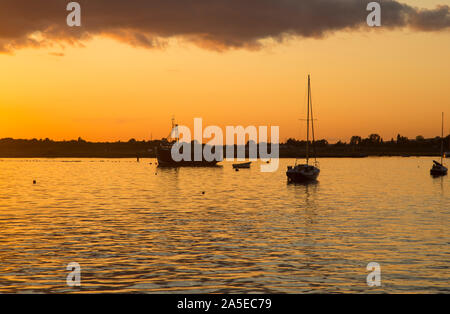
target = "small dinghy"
x: 245, y: 165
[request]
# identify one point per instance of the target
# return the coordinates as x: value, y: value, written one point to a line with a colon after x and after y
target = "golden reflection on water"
x: 136, y: 228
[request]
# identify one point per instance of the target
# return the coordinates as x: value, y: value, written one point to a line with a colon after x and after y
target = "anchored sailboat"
x: 439, y: 169
x: 305, y: 172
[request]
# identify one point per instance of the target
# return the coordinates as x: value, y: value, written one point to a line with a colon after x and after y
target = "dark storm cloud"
x: 214, y: 24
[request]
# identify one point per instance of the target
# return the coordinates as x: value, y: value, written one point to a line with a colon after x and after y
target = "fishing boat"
x: 306, y: 172
x: 438, y: 169
x: 245, y: 165
x: 164, y: 153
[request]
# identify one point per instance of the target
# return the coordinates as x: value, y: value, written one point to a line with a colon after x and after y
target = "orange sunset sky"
x: 103, y: 86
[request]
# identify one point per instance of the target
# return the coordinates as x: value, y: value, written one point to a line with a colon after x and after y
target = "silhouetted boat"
x: 438, y: 168
x: 245, y: 165
x: 305, y: 172
x: 164, y: 153
x: 164, y: 156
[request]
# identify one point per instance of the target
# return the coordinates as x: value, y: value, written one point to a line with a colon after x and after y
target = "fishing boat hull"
x: 302, y: 173
x: 164, y: 157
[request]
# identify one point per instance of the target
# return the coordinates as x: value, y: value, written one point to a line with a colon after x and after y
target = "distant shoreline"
x: 358, y: 147
x: 133, y: 156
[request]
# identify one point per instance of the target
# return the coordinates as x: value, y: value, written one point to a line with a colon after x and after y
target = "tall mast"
x: 312, y: 126
x: 307, y: 121
x: 442, y: 139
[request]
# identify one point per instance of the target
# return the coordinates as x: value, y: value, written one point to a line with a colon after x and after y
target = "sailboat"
x: 305, y: 172
x: 439, y: 169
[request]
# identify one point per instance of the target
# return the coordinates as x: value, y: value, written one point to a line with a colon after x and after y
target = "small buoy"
x: 34, y: 181
x: 203, y: 192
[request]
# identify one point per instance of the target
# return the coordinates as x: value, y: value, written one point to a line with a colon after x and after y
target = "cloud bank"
x: 212, y: 24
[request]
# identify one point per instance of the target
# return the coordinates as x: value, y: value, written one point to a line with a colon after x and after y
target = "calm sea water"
x: 136, y: 228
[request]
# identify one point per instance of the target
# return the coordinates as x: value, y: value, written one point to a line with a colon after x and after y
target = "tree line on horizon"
x: 372, y: 139
x: 357, y: 146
